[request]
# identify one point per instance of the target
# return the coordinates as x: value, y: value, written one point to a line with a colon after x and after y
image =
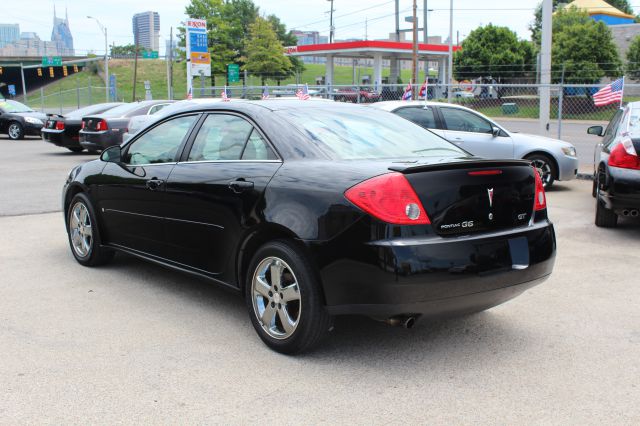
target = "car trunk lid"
x: 471, y: 196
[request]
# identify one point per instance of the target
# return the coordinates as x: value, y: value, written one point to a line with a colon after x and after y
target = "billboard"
x: 197, y: 47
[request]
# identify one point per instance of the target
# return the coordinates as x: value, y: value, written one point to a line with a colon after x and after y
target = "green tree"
x: 536, y: 25
x: 265, y: 53
x: 127, y: 50
x: 633, y: 58
x: 287, y: 38
x: 493, y: 51
x: 584, y: 47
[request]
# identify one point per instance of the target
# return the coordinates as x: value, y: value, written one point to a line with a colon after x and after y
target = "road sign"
x: 150, y: 54
x: 52, y: 61
x: 112, y: 87
x: 12, y: 89
x: 147, y: 90
x: 51, y: 72
x: 198, y: 48
x: 233, y: 73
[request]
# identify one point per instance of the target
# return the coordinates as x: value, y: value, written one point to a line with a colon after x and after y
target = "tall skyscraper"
x: 61, y: 35
x: 146, y: 30
x: 9, y: 33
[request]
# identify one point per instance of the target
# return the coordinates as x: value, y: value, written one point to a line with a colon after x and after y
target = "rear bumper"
x: 98, y: 141
x: 436, y: 276
x: 622, y: 189
x: 59, y: 138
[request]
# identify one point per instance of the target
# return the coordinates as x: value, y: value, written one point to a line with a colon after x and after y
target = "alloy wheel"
x: 276, y: 298
x: 80, y: 230
x: 14, y: 131
x: 544, y: 168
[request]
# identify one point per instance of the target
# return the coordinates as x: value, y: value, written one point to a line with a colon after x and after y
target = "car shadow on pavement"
x: 485, y: 334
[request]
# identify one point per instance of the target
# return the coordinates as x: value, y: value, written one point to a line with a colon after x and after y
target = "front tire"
x: 84, y: 233
x: 546, y: 165
x: 15, y: 131
x: 284, y: 298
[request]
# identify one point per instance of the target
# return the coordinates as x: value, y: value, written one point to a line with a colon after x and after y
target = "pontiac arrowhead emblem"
x: 490, y: 193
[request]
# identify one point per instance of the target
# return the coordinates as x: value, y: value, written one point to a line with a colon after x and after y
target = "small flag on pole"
x: 303, y: 93
x: 609, y: 94
x: 189, y: 95
x: 407, y: 93
x: 225, y: 95
x: 265, y: 93
x: 423, y: 90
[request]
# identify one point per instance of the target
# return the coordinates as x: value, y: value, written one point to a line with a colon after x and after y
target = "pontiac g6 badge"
x: 490, y: 194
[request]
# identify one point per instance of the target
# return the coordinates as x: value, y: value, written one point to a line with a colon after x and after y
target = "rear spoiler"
x: 55, y: 115
x: 456, y: 163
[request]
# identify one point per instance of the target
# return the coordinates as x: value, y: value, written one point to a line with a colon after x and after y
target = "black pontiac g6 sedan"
x: 315, y: 209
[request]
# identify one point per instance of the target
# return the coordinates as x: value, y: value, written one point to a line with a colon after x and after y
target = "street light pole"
x: 331, y: 22
x: 414, y: 71
x: 450, y: 59
x: 106, y: 56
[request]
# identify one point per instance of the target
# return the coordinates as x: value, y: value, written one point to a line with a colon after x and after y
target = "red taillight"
x: 83, y: 125
x: 102, y: 125
x: 390, y: 198
x: 541, y: 199
x: 59, y: 125
x: 624, y: 156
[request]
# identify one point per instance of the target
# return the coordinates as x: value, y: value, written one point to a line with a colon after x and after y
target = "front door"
x: 214, y: 195
x: 131, y: 196
x: 475, y: 134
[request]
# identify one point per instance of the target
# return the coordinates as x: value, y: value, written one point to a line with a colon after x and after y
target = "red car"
x: 350, y: 94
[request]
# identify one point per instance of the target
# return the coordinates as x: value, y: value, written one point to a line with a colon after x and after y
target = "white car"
x: 483, y: 137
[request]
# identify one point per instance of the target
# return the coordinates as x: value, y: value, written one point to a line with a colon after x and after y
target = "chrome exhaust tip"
x: 405, y: 321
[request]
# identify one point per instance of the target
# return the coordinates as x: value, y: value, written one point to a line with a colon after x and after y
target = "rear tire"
x: 605, y: 218
x: 84, y: 233
x: 284, y: 298
x: 548, y: 167
x: 15, y: 131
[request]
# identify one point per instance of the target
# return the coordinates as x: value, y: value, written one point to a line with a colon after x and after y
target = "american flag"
x: 303, y: 93
x: 423, y: 90
x: 265, y: 93
x: 189, y: 95
x: 225, y: 95
x: 407, y: 93
x: 609, y: 94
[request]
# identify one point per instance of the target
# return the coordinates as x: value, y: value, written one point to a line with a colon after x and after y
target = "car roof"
x: 392, y: 105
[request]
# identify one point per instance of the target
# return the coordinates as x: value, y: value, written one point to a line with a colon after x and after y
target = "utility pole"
x: 414, y: 70
x: 450, y: 59
x: 425, y: 12
x: 170, y: 66
x: 397, y: 20
x: 106, y: 56
x: 545, y: 66
x: 331, y: 28
x: 135, y: 68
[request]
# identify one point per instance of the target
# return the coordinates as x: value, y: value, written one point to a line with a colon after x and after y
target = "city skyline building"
x: 9, y: 33
x: 61, y: 34
x: 146, y: 30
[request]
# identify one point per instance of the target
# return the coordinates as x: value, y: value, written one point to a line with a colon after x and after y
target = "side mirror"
x: 496, y: 131
x: 113, y: 154
x: 595, y: 130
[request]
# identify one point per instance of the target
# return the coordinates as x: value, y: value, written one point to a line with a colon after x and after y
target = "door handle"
x: 239, y: 186
x: 154, y: 184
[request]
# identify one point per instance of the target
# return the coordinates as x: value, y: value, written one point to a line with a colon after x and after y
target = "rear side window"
x: 464, y: 121
x: 421, y: 116
x: 228, y: 137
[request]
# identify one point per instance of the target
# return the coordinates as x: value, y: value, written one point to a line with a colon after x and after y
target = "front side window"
x: 421, y: 116
x: 160, y: 144
x: 464, y: 121
x: 225, y: 137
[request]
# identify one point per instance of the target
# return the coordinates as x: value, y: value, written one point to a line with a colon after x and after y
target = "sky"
x: 353, y: 18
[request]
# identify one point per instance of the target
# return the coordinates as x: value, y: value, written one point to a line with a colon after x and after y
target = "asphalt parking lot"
x: 135, y: 343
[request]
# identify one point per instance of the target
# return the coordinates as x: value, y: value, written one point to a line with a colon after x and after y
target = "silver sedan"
x: 483, y: 137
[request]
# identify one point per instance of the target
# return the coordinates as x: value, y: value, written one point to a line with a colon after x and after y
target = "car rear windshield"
x: 13, y: 106
x: 91, y: 109
x: 369, y: 133
x: 122, y: 110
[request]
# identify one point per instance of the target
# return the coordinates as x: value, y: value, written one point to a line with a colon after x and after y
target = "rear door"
x: 214, y: 193
x: 132, y: 195
x: 474, y: 133
x: 424, y: 116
